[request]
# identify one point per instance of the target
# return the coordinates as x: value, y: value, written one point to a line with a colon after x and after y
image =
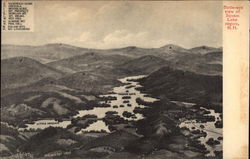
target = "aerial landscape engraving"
x: 132, y: 86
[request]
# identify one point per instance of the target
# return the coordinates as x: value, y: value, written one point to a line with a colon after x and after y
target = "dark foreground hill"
x: 184, y: 86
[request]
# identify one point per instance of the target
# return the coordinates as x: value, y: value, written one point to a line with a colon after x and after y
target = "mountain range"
x: 76, y: 67
x: 56, y: 80
x: 57, y: 51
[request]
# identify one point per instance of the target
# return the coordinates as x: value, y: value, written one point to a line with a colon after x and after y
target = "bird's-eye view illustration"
x: 114, y: 80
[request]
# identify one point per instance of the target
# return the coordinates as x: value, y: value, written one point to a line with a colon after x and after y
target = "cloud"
x: 115, y: 39
x: 116, y: 10
x: 120, y: 38
x: 119, y: 24
x: 123, y: 37
x: 86, y: 36
x: 64, y: 39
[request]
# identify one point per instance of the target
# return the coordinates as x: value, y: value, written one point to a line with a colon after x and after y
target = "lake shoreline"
x: 114, y: 117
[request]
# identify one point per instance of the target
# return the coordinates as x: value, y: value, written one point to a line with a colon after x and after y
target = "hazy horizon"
x: 110, y: 48
x: 106, y: 25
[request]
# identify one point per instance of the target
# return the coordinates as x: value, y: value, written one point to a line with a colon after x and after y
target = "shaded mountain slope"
x: 88, y: 62
x: 205, y: 50
x: 48, y: 101
x: 90, y: 82
x: 20, y: 71
x: 144, y: 64
x: 43, y: 53
x: 184, y: 86
x: 208, y: 64
x: 202, y: 60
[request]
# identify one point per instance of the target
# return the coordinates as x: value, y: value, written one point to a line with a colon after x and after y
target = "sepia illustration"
x: 114, y: 80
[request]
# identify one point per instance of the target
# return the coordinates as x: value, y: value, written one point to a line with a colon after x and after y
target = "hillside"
x: 37, y: 105
x: 88, y: 62
x: 43, y: 53
x: 144, y: 64
x: 205, y: 49
x: 10, y: 139
x: 208, y: 64
x: 89, y: 82
x: 21, y: 71
x: 57, y: 51
x: 42, y: 100
x: 173, y: 48
x: 184, y: 86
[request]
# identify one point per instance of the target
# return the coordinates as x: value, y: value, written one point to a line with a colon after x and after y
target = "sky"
x: 110, y: 24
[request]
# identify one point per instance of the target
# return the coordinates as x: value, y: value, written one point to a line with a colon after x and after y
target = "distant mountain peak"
x: 172, y: 47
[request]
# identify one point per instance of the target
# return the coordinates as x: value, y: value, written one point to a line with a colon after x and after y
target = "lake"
x: 209, y: 128
x: 127, y: 90
x: 129, y: 93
